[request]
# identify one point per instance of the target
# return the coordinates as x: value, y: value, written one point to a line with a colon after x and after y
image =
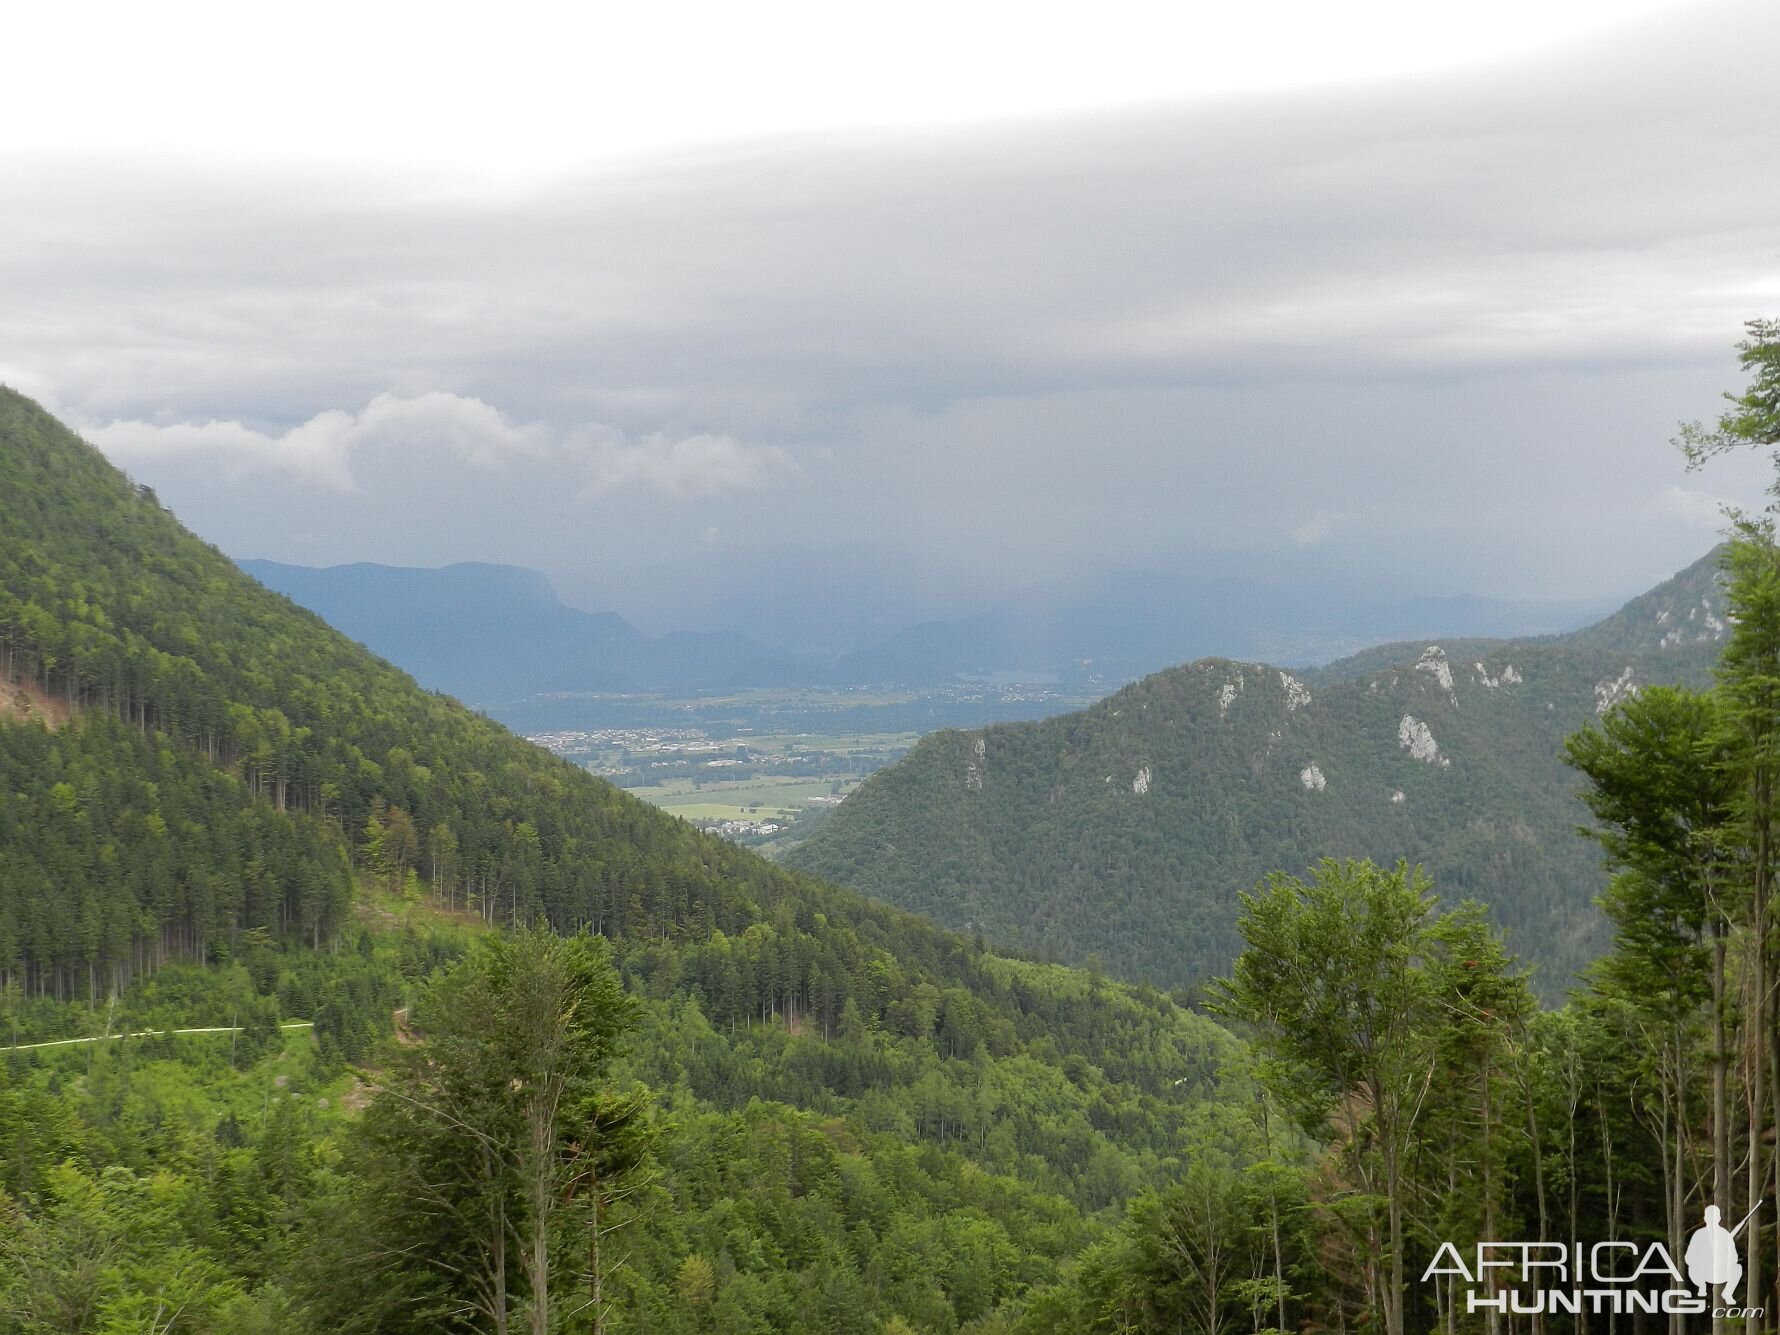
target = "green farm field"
x: 756, y: 798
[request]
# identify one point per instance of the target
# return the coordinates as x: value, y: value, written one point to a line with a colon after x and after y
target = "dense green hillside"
x: 1127, y: 830
x: 200, y: 781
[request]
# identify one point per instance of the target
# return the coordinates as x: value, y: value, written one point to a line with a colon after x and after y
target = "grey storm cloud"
x: 1460, y: 311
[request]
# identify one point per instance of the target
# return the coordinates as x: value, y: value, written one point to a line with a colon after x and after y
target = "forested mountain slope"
x: 1126, y: 830
x: 195, y: 773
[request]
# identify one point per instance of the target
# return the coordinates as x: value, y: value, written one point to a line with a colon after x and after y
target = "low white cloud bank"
x: 314, y: 452
x: 427, y: 429
x: 684, y: 469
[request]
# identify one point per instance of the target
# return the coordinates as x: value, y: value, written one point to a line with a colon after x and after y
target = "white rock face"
x: 1397, y: 798
x: 1297, y: 693
x: 1509, y: 676
x: 1227, y: 694
x: 1141, y: 784
x: 1703, y: 624
x: 1610, y: 693
x: 1418, y: 739
x: 1433, y: 662
x: 1312, y: 778
x: 974, y: 767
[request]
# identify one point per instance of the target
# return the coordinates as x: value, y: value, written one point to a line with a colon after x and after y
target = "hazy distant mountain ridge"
x: 1127, y: 829
x: 1125, y: 624
x: 499, y: 633
x: 1686, y: 609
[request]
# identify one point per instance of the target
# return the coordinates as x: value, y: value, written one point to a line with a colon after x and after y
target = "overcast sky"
x: 696, y: 297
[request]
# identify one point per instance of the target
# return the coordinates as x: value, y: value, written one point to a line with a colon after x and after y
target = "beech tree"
x: 1659, y: 786
x: 1749, y: 685
x: 492, y: 1140
x: 1330, y: 979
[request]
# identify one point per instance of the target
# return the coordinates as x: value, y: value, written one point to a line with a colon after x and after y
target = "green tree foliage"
x: 939, y: 1190
x: 1749, y: 689
x: 1754, y: 416
x: 489, y: 1141
x: 107, y: 1254
x: 1372, y: 1011
x: 1661, y: 791
x: 1199, y: 1254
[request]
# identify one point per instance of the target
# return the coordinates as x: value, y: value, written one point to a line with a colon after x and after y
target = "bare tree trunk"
x: 542, y: 1192
x: 595, y: 1275
x: 1452, y: 1296
x: 1770, y: 1025
x: 498, y: 1264
x: 1721, y: 1121
x: 1759, y: 1012
x: 1394, y: 1196
x: 1279, y: 1269
x: 1538, y: 1161
x: 1758, y: 1075
x: 1492, y: 1319
x: 1612, y: 1197
x: 1672, y: 1172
